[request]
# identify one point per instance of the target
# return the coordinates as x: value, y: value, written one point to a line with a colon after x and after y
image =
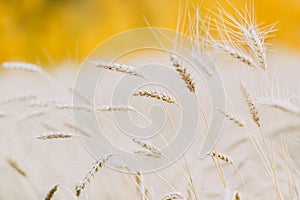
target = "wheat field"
x: 146, y: 105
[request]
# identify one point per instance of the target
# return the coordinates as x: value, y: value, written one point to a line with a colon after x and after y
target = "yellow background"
x: 55, y: 30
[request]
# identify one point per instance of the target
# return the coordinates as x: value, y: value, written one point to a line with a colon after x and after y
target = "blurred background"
x: 50, y: 31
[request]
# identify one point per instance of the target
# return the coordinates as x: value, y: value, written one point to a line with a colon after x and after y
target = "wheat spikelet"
x: 94, y: 169
x: 146, y: 152
x: 155, y: 95
x: 147, y: 146
x: 116, y: 67
x: 110, y: 108
x: 173, y: 196
x: 251, y: 106
x: 236, y: 196
x: 237, y: 54
x: 22, y: 66
x: 221, y: 157
x: 54, y: 135
x: 233, y: 119
x: 185, y: 76
x: 51, y: 192
x: 16, y: 167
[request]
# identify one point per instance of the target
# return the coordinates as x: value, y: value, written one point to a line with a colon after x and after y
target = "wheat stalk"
x: 251, y: 106
x: 147, y: 146
x: 51, y: 192
x: 185, y: 76
x: 94, y: 169
x: 173, y: 196
x: 116, y: 67
x: 156, y: 95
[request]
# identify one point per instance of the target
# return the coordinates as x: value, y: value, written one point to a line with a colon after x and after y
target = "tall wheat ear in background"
x: 257, y: 156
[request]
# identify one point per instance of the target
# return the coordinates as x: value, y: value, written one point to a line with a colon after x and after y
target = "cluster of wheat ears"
x: 256, y: 159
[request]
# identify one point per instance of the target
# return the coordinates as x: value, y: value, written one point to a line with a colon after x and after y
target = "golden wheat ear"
x: 156, y: 95
x: 14, y: 165
x: 51, y: 192
x: 174, y: 196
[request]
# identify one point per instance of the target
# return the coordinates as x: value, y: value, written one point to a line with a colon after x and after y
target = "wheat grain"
x: 185, y: 76
x: 94, y: 169
x: 116, y: 67
x: 22, y: 66
x: 233, y: 119
x: 251, y: 106
x: 173, y: 196
x: 16, y: 167
x: 51, y: 192
x: 147, y: 146
x: 155, y: 95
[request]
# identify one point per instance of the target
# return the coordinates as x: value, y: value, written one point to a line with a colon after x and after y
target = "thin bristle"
x: 155, y: 95
x: 116, y: 67
x: 51, y: 192
x: 147, y: 146
x: 251, y: 106
x: 173, y: 196
x: 16, y: 167
x: 185, y: 76
x: 94, y: 169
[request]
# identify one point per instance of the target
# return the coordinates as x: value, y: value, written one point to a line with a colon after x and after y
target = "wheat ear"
x: 16, y: 167
x: 110, y: 108
x: 173, y: 196
x: 51, y: 192
x: 118, y: 67
x: 24, y: 97
x: 237, y: 54
x: 22, y: 66
x: 233, y: 119
x: 94, y: 169
x: 156, y: 95
x: 147, y: 146
x: 185, y: 76
x: 54, y: 135
x: 146, y: 152
x: 221, y: 157
x: 251, y: 106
